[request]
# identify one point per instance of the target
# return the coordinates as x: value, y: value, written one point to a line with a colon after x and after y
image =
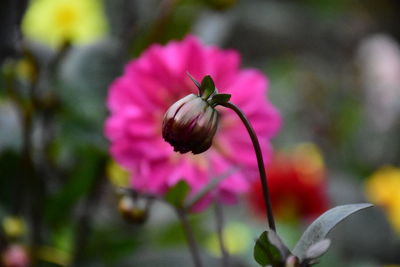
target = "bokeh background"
x: 334, y: 73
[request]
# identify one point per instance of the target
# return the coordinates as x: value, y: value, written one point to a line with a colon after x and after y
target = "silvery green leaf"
x: 320, y: 228
x: 318, y: 249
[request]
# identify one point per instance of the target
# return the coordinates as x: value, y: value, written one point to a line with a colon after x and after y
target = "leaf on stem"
x: 320, y: 228
x: 177, y: 194
x: 269, y: 249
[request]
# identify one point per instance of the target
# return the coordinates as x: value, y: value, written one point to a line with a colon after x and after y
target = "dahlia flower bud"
x: 191, y: 122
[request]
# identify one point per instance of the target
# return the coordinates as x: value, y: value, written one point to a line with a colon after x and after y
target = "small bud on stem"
x: 191, y: 122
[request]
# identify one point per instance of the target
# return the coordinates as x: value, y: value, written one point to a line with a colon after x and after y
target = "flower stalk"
x: 260, y: 161
x: 187, y: 229
x: 220, y: 234
x: 190, y: 125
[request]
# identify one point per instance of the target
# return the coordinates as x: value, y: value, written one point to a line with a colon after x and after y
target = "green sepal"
x: 176, y: 195
x: 208, y: 87
x: 219, y: 99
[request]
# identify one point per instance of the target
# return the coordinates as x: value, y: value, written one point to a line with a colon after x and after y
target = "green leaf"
x: 265, y: 252
x: 208, y: 86
x: 201, y: 91
x: 220, y: 98
x: 177, y: 194
x: 320, y: 228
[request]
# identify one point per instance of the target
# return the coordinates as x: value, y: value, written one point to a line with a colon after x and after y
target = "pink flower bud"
x: 190, y: 124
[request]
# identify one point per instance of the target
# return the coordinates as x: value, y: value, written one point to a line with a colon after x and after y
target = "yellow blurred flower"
x: 237, y: 239
x: 13, y: 226
x: 308, y: 162
x: 117, y: 175
x: 54, y: 22
x: 383, y: 189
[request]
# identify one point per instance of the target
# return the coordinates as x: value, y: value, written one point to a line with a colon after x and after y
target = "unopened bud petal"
x: 190, y: 125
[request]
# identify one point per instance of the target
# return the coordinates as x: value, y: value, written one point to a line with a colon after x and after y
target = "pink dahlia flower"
x: 151, y: 84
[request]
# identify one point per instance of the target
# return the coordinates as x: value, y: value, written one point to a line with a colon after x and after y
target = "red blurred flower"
x: 297, y: 185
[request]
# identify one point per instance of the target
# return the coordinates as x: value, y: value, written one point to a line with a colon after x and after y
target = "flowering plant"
x: 269, y: 249
x: 150, y: 84
x: 161, y: 81
x: 74, y: 121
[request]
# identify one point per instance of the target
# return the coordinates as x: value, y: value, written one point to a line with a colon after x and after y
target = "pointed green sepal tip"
x: 201, y: 91
x: 208, y: 86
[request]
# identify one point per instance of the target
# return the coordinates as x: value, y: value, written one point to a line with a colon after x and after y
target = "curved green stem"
x: 260, y: 161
